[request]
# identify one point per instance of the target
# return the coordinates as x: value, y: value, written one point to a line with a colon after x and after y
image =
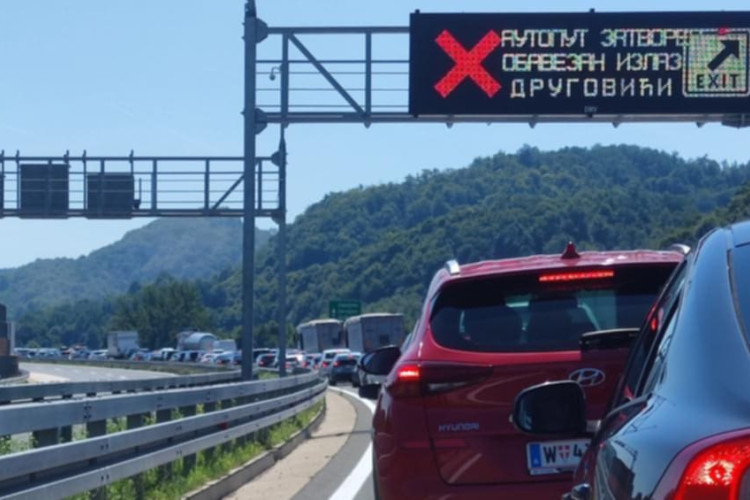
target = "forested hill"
x: 738, y: 209
x: 183, y: 248
x: 382, y: 244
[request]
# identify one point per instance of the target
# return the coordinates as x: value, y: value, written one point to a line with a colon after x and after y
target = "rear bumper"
x: 413, y: 474
x: 341, y: 375
x: 435, y: 488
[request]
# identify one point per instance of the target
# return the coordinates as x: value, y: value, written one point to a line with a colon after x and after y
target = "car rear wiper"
x: 616, y: 338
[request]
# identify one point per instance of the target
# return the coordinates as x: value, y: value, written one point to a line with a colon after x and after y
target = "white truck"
x: 369, y: 332
x: 320, y: 334
x: 120, y: 344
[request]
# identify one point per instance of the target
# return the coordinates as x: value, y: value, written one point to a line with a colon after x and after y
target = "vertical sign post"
x: 248, y: 223
x: 281, y: 221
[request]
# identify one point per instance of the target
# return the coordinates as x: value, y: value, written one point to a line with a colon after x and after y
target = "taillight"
x: 427, y: 378
x: 336, y: 363
x: 408, y: 373
x: 716, y: 468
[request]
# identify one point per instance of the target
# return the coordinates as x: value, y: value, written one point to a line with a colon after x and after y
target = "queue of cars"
x: 448, y: 422
x: 217, y: 356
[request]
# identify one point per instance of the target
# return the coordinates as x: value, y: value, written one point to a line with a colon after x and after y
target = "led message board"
x: 650, y: 63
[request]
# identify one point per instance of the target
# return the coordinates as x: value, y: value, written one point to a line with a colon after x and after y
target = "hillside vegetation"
x: 382, y: 244
x: 183, y: 248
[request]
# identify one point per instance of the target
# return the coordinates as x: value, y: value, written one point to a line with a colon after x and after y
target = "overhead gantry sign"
x: 655, y: 66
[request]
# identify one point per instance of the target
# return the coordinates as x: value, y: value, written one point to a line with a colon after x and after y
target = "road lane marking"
x: 357, y: 477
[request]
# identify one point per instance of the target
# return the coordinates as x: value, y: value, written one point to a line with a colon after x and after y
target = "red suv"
x: 488, y: 330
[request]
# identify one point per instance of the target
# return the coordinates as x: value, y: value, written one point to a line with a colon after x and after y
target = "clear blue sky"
x: 165, y: 78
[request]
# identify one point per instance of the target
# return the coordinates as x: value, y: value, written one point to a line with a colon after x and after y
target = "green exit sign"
x: 342, y: 309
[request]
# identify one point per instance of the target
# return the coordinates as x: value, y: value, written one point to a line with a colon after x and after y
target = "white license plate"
x: 554, y: 457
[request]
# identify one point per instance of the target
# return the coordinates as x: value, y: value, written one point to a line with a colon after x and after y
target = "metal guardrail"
x: 30, y: 417
x: 60, y: 470
x: 36, y: 392
x: 19, y: 379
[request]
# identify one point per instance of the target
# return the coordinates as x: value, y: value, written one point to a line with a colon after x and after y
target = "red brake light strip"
x: 586, y: 275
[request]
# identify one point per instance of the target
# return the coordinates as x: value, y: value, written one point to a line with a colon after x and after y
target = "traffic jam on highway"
x: 579, y: 375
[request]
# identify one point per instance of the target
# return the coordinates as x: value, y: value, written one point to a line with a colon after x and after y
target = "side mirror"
x: 381, y: 361
x: 369, y: 391
x: 551, y: 408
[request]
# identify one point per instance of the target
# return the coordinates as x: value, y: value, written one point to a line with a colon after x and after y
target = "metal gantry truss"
x: 163, y: 186
x: 368, y: 87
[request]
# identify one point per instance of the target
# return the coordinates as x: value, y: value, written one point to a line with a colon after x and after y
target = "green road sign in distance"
x: 342, y: 309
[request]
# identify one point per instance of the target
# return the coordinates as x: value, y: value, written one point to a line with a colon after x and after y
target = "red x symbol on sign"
x: 468, y: 64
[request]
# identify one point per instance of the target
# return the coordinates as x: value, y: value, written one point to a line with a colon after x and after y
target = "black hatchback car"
x: 678, y: 424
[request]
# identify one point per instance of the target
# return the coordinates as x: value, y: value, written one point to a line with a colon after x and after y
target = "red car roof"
x: 536, y: 263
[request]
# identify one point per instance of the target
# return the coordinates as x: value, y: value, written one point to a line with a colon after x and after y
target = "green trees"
x: 381, y: 245
x: 160, y: 310
x: 82, y: 322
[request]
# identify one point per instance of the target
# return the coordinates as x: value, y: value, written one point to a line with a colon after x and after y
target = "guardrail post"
x: 46, y: 437
x: 188, y: 462
x: 227, y: 447
x: 94, y: 429
x: 66, y: 434
x: 208, y: 453
x: 133, y: 422
x: 165, y: 470
x: 163, y: 416
x: 242, y: 401
x: 97, y: 428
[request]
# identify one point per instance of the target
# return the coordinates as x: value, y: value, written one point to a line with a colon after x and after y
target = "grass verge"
x: 173, y: 481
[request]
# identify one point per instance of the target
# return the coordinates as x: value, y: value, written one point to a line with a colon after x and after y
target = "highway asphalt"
x: 348, y: 475
x: 43, y: 372
x: 366, y: 491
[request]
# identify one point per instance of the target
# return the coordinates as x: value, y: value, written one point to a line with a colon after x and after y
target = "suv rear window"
x: 543, y: 311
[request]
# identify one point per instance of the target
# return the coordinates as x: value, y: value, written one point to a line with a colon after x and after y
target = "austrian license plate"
x: 554, y: 457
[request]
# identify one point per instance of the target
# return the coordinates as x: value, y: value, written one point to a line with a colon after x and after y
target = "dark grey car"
x: 678, y: 424
x: 343, y: 367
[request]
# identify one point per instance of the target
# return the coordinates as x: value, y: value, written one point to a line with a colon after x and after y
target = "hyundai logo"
x: 587, y: 377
